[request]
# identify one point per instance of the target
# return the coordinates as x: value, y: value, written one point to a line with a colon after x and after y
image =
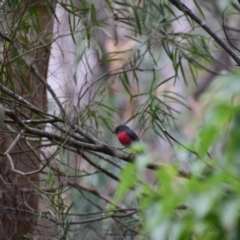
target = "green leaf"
x: 199, y: 8
x: 137, y: 20
x: 108, y: 2
x: 128, y: 179
x: 207, y: 136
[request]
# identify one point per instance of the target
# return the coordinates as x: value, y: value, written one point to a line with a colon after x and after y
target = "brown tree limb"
x: 66, y: 139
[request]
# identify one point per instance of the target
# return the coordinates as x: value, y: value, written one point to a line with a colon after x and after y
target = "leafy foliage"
x: 134, y: 62
x: 204, y: 206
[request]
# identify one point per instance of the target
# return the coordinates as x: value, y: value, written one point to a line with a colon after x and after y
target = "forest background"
x: 71, y: 71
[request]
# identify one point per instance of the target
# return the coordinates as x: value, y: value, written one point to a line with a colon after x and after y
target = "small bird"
x: 125, y: 135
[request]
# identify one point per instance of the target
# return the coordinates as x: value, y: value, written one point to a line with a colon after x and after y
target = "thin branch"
x: 97, y: 166
x: 216, y: 67
x: 96, y: 193
x: 21, y: 172
x: 99, y: 147
x: 183, y: 8
x: 236, y: 6
x: 34, y: 121
x: 105, y: 159
x: 14, y: 142
x: 23, y: 101
x: 226, y: 35
x: 35, y: 71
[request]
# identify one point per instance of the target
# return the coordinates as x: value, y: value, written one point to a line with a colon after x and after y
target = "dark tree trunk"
x: 18, y: 202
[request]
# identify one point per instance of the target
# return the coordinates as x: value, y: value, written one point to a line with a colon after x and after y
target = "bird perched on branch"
x: 125, y: 135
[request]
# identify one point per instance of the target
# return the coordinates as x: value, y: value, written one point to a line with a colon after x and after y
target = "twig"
x: 23, y: 101
x: 183, y: 8
x: 14, y: 142
x: 97, y: 166
x: 45, y: 83
x: 105, y: 159
x: 96, y: 193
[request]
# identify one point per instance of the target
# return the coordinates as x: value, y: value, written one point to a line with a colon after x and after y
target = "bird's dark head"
x: 121, y: 128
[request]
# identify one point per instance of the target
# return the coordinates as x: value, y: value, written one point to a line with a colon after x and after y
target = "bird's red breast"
x: 124, y: 139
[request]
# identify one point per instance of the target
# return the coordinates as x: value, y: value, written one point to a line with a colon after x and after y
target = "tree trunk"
x: 29, y: 25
